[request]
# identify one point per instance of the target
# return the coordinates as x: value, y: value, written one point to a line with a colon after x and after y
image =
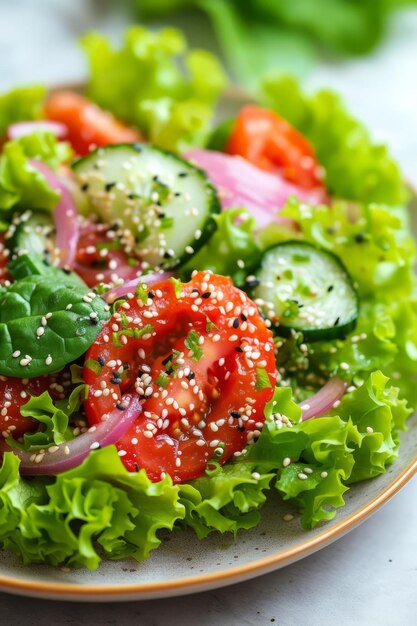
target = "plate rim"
x: 201, y: 582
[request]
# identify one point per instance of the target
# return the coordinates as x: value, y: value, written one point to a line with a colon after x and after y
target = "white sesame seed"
x: 256, y: 475
x: 369, y: 430
x: 94, y: 445
x: 324, y: 474
x: 288, y: 517
x: 302, y: 476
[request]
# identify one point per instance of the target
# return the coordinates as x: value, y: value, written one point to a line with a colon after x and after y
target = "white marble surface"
x: 366, y: 578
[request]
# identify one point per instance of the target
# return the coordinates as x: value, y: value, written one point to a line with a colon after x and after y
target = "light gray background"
x: 366, y: 578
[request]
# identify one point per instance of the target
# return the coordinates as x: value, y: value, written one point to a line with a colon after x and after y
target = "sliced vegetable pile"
x: 183, y: 328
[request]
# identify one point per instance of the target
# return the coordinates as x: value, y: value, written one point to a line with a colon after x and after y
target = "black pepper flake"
x: 236, y: 322
x: 206, y: 295
x: 101, y: 360
x: 121, y: 407
x: 235, y: 414
x: 330, y: 288
x: 109, y: 186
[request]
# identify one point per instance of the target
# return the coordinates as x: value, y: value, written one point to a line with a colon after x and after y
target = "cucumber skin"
x: 207, y: 229
x: 315, y: 334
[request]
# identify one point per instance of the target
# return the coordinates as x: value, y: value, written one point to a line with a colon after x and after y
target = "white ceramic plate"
x: 183, y: 564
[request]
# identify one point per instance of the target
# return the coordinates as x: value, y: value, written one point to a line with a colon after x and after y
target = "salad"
x: 195, y: 314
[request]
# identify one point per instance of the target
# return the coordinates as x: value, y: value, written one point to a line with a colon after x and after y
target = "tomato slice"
x: 5, y: 277
x: 16, y: 392
x: 100, y: 257
x: 196, y: 367
x: 270, y: 142
x: 88, y: 125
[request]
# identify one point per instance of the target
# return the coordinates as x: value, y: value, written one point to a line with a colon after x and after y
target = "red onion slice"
x: 322, y: 401
x: 20, y: 129
x: 129, y: 286
x: 68, y: 455
x: 242, y: 184
x: 65, y: 216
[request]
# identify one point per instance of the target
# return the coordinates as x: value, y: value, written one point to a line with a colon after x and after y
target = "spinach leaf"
x: 46, y: 323
x: 26, y: 265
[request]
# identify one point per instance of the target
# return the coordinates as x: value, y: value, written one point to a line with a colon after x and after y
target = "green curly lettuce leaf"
x: 21, y: 105
x: 355, y: 168
x: 231, y: 251
x: 53, y: 417
x: 93, y: 509
x: 155, y: 83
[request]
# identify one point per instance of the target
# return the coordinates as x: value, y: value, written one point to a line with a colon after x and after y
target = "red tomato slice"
x: 88, y: 125
x: 196, y: 367
x: 101, y: 258
x: 16, y: 392
x: 270, y: 142
x: 4, y: 259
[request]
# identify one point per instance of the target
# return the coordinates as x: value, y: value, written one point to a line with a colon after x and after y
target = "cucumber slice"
x: 161, y: 205
x: 303, y: 288
x: 32, y: 233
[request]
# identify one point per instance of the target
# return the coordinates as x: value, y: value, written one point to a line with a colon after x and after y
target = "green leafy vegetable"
x: 257, y: 36
x: 142, y: 292
x: 21, y: 105
x: 94, y: 509
x: 143, y: 83
x: 231, y: 251
x: 192, y: 343
x: 54, y: 417
x: 48, y: 325
x: 42, y: 145
x: 262, y: 379
x: 355, y: 167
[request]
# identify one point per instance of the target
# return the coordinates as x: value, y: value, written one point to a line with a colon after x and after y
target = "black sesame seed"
x: 235, y: 414
x: 330, y: 288
x: 167, y: 255
x: 136, y: 467
x: 190, y: 376
x: 337, y: 320
x: 236, y: 323
x: 253, y: 282
x: 126, y: 365
x: 101, y: 360
x: 109, y: 186
x: 196, y: 291
x: 116, y: 380
x: 206, y: 295
x: 243, y: 317
x: 66, y: 270
x: 94, y: 321
x: 151, y: 294
x: 360, y: 238
x: 177, y: 194
x: 167, y: 359
x: 241, y: 429
x: 84, y: 187
x: 121, y: 407
x: 182, y: 174
x: 161, y: 215
x: 238, y: 349
x: 132, y: 196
